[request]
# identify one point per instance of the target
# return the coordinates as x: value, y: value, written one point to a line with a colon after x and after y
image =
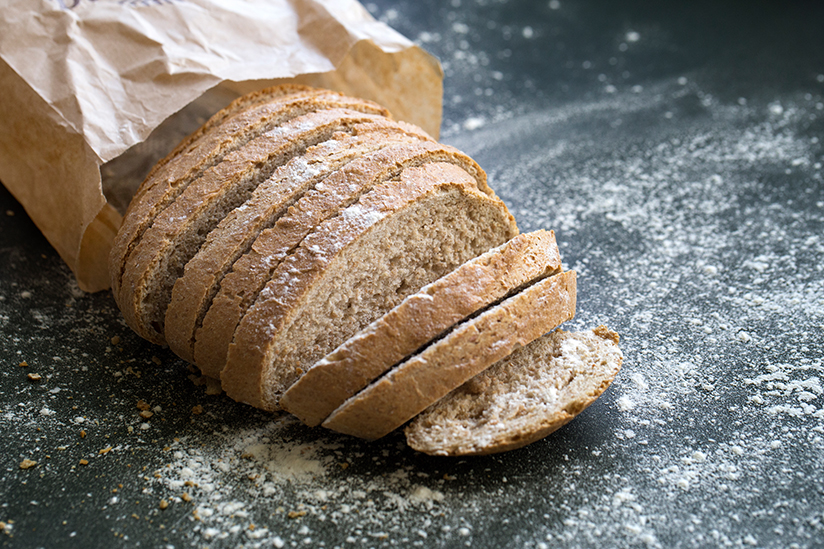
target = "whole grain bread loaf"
x: 523, y: 398
x: 314, y: 254
x: 417, y: 320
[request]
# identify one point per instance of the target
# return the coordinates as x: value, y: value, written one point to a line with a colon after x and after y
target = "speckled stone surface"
x: 675, y: 150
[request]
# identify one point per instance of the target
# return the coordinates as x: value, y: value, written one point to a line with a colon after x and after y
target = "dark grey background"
x: 675, y: 148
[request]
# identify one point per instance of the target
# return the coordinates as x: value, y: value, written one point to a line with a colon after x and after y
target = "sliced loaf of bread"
x: 330, y: 196
x: 356, y: 266
x: 177, y: 233
x: 417, y: 320
x: 522, y: 398
x: 468, y: 349
x: 295, y: 219
x: 236, y: 233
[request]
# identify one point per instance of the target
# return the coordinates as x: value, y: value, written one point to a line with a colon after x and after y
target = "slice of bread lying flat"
x: 417, y: 320
x: 356, y: 266
x: 521, y: 399
x: 468, y: 349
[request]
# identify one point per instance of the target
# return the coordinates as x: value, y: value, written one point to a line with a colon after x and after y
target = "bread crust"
x: 250, y: 273
x: 236, y: 233
x: 419, y: 319
x: 470, y: 348
x: 255, y: 372
x: 146, y: 266
x: 521, y: 399
x: 243, y: 121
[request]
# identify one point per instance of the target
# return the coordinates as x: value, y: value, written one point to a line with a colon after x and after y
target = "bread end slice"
x: 523, y: 398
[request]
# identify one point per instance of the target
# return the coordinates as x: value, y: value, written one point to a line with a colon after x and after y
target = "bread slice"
x: 417, y: 320
x: 355, y: 267
x: 224, y: 133
x: 464, y: 352
x: 522, y: 398
x: 192, y: 294
x: 251, y: 272
x: 178, y: 232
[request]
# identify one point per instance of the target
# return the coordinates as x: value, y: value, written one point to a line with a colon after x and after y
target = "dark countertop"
x: 675, y: 150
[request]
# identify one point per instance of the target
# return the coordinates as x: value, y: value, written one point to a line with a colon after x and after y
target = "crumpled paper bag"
x: 93, y: 92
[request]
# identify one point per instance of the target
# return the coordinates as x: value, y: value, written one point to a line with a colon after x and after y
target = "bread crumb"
x: 27, y: 463
x: 213, y: 386
x: 296, y: 514
x: 145, y: 414
x: 197, y: 380
x: 163, y: 504
x: 23, y: 364
x: 186, y: 497
x: 197, y: 409
x: 34, y: 377
x: 115, y: 340
x: 84, y: 462
x: 104, y: 451
x: 143, y: 405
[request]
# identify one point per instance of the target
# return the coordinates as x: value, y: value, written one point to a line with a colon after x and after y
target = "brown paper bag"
x: 86, y: 85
